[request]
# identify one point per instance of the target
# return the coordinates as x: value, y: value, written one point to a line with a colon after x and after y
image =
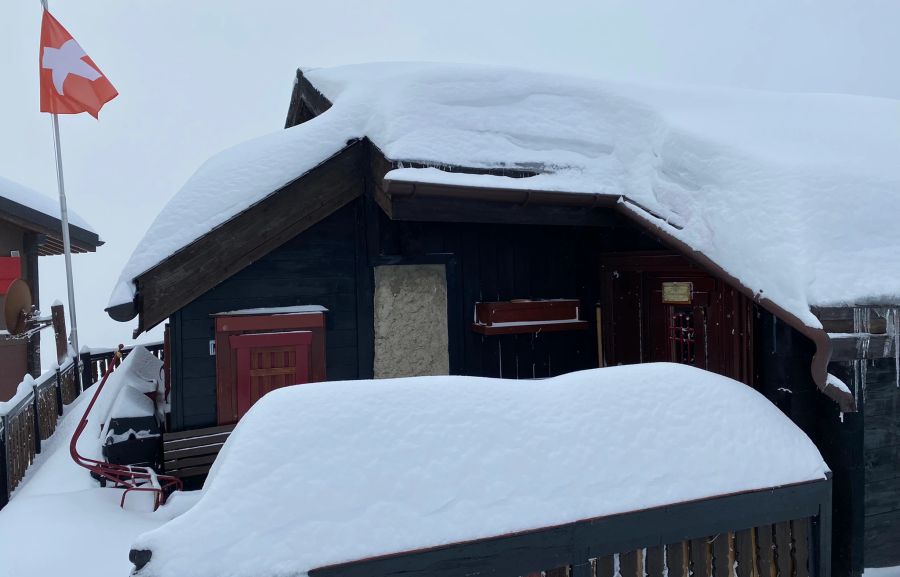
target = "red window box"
x: 525, y: 316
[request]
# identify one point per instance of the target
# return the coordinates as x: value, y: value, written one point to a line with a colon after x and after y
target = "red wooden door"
x: 267, y: 361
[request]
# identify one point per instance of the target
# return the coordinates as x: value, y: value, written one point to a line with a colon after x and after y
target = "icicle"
x: 892, y: 328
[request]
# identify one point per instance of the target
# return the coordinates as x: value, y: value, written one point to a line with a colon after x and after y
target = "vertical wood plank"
x: 605, y: 566
x: 722, y: 552
x: 783, y: 551
x: 700, y: 558
x: 655, y: 563
x: 766, y: 551
x: 676, y: 560
x: 800, y: 538
x: 628, y: 563
x: 745, y: 553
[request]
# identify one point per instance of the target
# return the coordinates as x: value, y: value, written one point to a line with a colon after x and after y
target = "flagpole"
x: 67, y: 247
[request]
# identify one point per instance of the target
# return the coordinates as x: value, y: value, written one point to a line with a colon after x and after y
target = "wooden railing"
x: 778, y: 532
x: 95, y: 363
x: 32, y: 420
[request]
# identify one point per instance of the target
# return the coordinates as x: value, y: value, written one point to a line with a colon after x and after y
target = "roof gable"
x: 246, y: 237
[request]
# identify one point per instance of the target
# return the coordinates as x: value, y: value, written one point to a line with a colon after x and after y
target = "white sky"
x: 198, y: 76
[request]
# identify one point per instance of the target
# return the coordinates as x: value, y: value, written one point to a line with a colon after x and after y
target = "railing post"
x: 4, y: 465
x: 59, y: 395
x: 85, y: 375
x: 37, y: 419
x: 823, y: 535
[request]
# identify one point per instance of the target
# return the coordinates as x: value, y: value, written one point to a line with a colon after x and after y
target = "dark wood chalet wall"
x: 317, y: 267
x: 782, y: 359
x: 882, y: 463
x: 864, y: 341
x: 494, y: 262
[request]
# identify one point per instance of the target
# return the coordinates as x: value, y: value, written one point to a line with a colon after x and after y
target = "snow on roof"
x: 299, y: 309
x: 796, y: 195
x: 40, y: 202
x: 329, y: 472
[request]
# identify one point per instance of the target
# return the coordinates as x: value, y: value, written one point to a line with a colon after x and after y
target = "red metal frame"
x: 126, y: 476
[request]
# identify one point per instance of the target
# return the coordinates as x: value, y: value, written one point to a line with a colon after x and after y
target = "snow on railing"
x: 29, y: 418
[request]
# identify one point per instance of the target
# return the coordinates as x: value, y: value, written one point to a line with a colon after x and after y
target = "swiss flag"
x: 70, y: 81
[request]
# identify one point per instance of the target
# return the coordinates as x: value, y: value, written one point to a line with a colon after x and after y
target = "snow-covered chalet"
x: 422, y: 219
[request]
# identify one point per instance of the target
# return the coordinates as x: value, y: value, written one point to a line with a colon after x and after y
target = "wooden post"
x: 4, y: 467
x: 30, y: 274
x: 58, y: 315
x: 59, y: 393
x: 36, y: 420
x: 86, y: 376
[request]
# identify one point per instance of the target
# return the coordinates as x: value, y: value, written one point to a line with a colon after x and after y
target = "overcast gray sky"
x: 196, y: 76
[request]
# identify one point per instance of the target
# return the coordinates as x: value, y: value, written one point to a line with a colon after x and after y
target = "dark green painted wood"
x: 519, y: 554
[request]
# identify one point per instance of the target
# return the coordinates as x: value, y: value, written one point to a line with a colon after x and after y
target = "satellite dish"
x: 16, y: 305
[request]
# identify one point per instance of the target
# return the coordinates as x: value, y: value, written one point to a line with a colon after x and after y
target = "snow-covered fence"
x: 95, y: 361
x: 29, y: 418
x: 783, y: 532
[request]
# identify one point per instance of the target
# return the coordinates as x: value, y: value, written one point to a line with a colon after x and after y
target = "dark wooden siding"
x: 493, y: 262
x: 881, y: 408
x: 783, y: 358
x: 317, y: 267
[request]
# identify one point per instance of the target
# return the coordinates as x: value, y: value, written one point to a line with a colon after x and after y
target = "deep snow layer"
x: 40, y: 202
x: 796, y: 195
x: 328, y: 472
x: 59, y: 521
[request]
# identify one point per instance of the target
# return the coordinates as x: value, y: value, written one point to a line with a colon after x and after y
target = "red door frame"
x: 228, y: 325
x: 242, y: 344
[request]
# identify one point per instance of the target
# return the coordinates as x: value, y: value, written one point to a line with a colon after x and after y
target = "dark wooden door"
x: 711, y: 327
x: 685, y: 332
x: 268, y: 361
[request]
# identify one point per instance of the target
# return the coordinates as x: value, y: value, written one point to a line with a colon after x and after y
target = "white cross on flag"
x: 70, y: 81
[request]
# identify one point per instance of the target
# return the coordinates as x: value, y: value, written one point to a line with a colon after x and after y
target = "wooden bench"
x: 191, y: 453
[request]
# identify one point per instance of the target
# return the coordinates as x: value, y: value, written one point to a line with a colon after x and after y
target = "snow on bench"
x: 332, y: 472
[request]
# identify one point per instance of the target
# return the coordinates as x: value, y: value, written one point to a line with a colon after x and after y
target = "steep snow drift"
x: 328, y: 472
x: 794, y: 194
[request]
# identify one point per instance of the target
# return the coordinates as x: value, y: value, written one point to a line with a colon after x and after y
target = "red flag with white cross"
x: 70, y: 81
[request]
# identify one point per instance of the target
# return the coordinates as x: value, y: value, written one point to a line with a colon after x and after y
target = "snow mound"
x: 40, y: 202
x: 329, y: 472
x: 793, y: 194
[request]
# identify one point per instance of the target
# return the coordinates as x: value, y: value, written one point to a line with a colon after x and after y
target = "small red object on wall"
x: 516, y: 317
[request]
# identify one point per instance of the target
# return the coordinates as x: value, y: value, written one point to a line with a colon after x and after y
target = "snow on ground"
x: 396, y: 464
x: 60, y: 522
x: 40, y: 202
x: 785, y: 191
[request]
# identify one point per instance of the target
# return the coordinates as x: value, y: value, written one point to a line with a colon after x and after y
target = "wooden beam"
x: 249, y: 236
x: 450, y: 209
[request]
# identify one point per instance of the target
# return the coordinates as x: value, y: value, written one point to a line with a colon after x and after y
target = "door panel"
x: 268, y: 361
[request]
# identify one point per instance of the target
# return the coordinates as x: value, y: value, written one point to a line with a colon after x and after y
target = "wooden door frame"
x: 228, y: 325
x: 735, y: 333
